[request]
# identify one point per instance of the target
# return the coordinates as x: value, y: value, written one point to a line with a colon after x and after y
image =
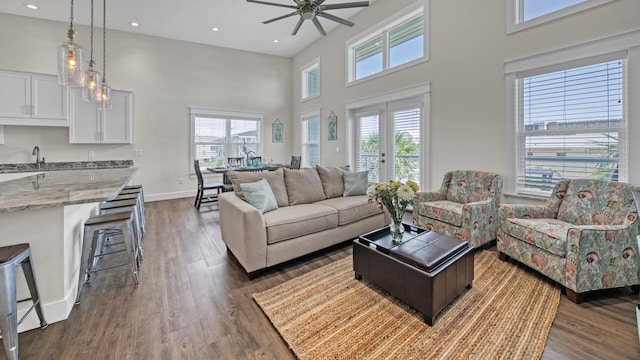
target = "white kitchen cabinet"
x: 88, y: 124
x: 30, y: 99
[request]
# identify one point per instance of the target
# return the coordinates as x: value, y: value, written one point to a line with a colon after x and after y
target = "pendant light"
x: 105, y: 90
x: 91, y: 89
x: 70, y: 59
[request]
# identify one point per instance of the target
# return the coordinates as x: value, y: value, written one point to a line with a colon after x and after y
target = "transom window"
x: 311, y: 80
x: 217, y: 135
x: 522, y: 14
x: 401, y: 41
x: 571, y: 124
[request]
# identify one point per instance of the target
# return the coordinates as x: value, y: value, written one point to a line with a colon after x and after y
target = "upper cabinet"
x: 88, y: 124
x: 32, y: 100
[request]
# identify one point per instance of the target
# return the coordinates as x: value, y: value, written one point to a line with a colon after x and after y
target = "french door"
x: 388, y: 140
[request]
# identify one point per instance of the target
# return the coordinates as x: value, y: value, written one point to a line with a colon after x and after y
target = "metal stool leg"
x: 9, y: 310
x: 27, y: 269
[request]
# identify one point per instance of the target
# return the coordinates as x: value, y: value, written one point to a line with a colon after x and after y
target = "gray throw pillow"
x: 332, y: 182
x: 355, y: 183
x: 259, y: 195
x: 303, y: 186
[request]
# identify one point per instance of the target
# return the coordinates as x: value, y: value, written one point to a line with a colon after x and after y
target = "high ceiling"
x: 239, y: 23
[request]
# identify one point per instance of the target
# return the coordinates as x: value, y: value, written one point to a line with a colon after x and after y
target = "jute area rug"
x: 327, y: 314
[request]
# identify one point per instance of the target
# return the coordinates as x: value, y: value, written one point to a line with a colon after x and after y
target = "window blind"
x: 368, y: 145
x: 571, y: 124
x: 407, y: 145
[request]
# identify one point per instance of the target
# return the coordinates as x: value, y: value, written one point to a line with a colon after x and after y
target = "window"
x: 399, y: 42
x: 522, y: 14
x: 217, y: 135
x: 311, y: 139
x: 311, y: 80
x: 571, y: 123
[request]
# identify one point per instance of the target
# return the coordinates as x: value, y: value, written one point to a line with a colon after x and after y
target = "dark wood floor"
x: 194, y: 302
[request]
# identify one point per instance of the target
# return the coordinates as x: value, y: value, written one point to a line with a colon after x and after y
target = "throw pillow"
x: 274, y: 178
x: 355, y: 183
x: 332, y: 182
x: 259, y: 195
x: 303, y: 186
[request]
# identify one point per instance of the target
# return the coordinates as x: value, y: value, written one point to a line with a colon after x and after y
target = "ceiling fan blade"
x: 319, y: 26
x: 336, y: 19
x: 280, y: 17
x: 297, y: 27
x: 273, y: 4
x: 319, y: 2
x: 343, y: 6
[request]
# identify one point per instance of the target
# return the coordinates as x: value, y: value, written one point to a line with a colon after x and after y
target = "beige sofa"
x: 311, y: 214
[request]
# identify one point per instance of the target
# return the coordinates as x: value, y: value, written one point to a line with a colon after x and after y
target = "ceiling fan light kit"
x: 311, y: 10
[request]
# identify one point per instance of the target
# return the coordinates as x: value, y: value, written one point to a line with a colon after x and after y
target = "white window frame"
x: 383, y: 28
x: 515, y: 14
x: 305, y: 70
x: 304, y: 117
x: 585, y: 53
x: 228, y: 115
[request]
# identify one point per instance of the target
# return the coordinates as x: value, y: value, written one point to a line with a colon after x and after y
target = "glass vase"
x: 397, y: 231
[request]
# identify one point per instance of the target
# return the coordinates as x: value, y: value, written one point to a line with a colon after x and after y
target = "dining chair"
x: 255, y: 160
x: 202, y: 187
x: 295, y: 162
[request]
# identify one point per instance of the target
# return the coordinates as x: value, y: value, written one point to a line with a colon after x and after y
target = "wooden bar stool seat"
x: 94, y: 228
x: 10, y: 258
x: 114, y: 206
x: 137, y: 189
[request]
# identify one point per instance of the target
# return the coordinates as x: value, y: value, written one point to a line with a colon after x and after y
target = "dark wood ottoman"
x: 427, y: 270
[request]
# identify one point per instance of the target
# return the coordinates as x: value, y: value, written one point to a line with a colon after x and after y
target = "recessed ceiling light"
x: 134, y: 24
x: 214, y: 29
x: 276, y: 41
x: 31, y: 6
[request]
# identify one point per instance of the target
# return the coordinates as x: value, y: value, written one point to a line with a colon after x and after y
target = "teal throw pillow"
x: 259, y: 195
x: 355, y: 183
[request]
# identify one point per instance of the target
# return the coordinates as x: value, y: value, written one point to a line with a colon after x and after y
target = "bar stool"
x: 137, y: 189
x: 10, y: 258
x: 115, y: 206
x: 139, y: 209
x: 94, y: 228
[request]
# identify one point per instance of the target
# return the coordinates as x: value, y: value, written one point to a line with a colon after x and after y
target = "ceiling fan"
x: 310, y: 10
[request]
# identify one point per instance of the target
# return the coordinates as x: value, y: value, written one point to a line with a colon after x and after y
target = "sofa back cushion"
x: 332, y: 181
x: 596, y: 202
x: 303, y: 186
x: 465, y: 186
x: 274, y: 178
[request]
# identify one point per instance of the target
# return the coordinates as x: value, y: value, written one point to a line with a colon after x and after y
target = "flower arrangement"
x: 395, y: 196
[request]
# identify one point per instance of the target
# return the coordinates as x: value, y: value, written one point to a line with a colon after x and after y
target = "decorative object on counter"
x: 276, y: 132
x: 91, y: 88
x: 332, y: 127
x: 70, y: 59
x: 247, y: 151
x: 10, y: 258
x: 395, y: 196
x: 105, y: 90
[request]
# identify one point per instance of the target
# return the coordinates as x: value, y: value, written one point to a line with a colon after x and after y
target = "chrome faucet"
x: 36, y: 152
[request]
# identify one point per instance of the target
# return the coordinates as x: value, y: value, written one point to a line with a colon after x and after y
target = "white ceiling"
x: 240, y: 22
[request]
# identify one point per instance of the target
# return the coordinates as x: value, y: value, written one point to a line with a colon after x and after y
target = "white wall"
x: 468, y: 47
x: 167, y: 77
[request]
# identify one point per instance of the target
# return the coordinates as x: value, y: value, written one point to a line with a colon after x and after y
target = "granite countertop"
x: 58, y: 166
x: 47, y: 189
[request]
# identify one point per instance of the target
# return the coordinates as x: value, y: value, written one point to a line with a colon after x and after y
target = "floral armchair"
x: 583, y: 237
x: 464, y: 207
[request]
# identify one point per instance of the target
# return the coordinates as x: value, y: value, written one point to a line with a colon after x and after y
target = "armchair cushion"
x: 443, y: 210
x: 469, y: 186
x: 547, y: 234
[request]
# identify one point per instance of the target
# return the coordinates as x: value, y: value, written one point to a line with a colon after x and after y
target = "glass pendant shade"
x: 92, y: 90
x: 105, y: 97
x: 70, y: 64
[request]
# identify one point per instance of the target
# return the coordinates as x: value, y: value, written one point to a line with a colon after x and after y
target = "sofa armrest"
x: 243, y: 231
x: 602, y: 256
x: 429, y: 196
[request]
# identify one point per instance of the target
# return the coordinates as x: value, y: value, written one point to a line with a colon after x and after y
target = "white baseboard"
x: 53, y: 312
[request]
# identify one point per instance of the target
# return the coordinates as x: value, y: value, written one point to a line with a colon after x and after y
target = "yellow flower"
x: 413, y: 185
x: 395, y: 184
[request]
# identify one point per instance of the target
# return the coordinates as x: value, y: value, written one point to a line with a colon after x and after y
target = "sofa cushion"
x: 547, y: 234
x: 351, y: 208
x: 303, y: 186
x: 332, y: 181
x: 355, y: 183
x: 443, y: 210
x: 259, y: 195
x: 274, y: 178
x: 294, y: 221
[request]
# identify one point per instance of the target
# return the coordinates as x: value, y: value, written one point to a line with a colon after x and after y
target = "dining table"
x: 257, y: 168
